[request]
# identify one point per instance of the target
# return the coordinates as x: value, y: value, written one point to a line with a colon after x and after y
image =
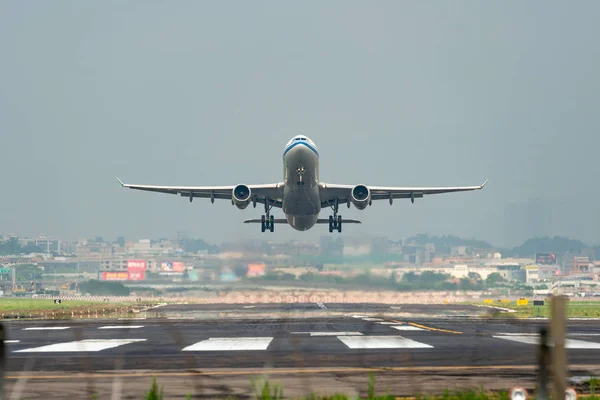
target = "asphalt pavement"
x: 186, y: 338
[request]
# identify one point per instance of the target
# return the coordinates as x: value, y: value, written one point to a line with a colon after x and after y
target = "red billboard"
x: 115, y: 276
x: 136, y: 270
x: 175, y: 266
x: 545, y: 258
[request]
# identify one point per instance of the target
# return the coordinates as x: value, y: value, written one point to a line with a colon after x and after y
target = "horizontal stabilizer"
x: 258, y: 221
x: 344, y: 221
x: 319, y: 221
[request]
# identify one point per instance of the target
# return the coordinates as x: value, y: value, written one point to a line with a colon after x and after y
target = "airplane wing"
x: 272, y: 192
x: 342, y: 193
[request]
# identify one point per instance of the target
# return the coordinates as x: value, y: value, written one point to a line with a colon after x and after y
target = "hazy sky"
x: 202, y: 93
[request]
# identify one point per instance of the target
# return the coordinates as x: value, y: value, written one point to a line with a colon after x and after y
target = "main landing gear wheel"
x: 267, y: 221
x: 335, y: 220
x: 335, y: 223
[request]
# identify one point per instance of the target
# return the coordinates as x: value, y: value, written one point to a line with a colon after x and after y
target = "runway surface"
x: 354, y: 340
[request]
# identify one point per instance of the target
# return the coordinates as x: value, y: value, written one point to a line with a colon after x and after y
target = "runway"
x: 185, y: 345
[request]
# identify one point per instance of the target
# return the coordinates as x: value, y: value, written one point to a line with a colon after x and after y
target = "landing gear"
x: 267, y: 221
x: 335, y: 220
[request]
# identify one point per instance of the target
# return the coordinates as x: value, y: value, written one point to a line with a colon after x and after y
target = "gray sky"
x: 392, y: 92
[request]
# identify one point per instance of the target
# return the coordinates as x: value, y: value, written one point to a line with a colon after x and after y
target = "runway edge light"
x: 570, y: 394
x: 518, y: 393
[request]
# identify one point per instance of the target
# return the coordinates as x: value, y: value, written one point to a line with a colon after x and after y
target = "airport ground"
x: 215, y: 350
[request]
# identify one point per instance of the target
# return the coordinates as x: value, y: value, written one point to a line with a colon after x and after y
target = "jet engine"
x: 361, y: 196
x: 241, y: 196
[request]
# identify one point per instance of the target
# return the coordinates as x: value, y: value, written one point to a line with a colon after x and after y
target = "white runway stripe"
x: 328, y: 333
x: 228, y: 344
x: 391, y: 323
x: 121, y: 327
x: 569, y: 343
x: 359, y: 316
x: 381, y: 342
x: 81, y: 345
x: 407, y: 328
x: 11, y: 341
x: 372, y: 319
x: 47, y: 328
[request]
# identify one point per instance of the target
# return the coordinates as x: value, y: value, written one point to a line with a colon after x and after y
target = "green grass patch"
x: 20, y: 304
x: 575, y: 309
x: 263, y: 389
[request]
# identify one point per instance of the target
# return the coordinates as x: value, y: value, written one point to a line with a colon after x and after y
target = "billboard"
x: 256, y: 270
x: 545, y: 258
x: 172, y: 266
x: 115, y: 276
x: 136, y: 270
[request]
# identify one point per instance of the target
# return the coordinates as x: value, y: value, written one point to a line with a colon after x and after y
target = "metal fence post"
x: 543, y: 363
x: 559, y: 355
x: 2, y: 360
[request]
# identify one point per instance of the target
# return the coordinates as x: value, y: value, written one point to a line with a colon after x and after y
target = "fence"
x: 551, y: 360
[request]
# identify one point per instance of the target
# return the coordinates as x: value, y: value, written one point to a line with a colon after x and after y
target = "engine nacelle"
x: 361, y: 196
x: 241, y: 196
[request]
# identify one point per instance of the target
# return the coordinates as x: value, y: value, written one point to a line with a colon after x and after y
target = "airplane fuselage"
x: 301, y: 201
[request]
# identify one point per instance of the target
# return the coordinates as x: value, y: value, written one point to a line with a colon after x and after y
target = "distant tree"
x: 31, y: 248
x: 547, y: 244
x: 474, y: 276
x: 10, y: 247
x: 494, y: 279
x: 104, y: 288
x: 240, y: 270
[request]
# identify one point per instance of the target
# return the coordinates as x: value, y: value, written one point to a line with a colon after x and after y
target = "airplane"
x: 301, y: 195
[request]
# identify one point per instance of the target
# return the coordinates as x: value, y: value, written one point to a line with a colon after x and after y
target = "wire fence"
x: 550, y: 374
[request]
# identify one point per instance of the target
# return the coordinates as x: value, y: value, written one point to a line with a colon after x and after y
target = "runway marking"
x: 391, y: 323
x: 407, y: 328
x: 121, y: 327
x: 81, y: 345
x: 359, y: 316
x: 227, y: 344
x: 569, y: 343
x: 434, y: 329
x: 372, y: 319
x: 281, y: 371
x: 11, y: 341
x: 381, y: 342
x: 328, y: 333
x: 583, y: 334
x: 47, y: 328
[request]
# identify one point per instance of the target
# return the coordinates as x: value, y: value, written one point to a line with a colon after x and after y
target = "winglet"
x: 483, y: 184
x: 120, y: 181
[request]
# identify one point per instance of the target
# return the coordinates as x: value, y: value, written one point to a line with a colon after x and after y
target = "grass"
x: 16, y: 305
x: 264, y: 390
x: 575, y: 309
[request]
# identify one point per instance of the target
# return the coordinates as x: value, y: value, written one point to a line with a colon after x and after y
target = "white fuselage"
x: 301, y: 202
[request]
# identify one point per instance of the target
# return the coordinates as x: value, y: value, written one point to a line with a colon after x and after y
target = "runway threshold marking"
x: 429, y: 328
x: 279, y: 371
x: 88, y: 345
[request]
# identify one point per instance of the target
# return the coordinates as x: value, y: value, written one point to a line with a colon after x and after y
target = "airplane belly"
x: 301, y: 192
x: 302, y: 222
